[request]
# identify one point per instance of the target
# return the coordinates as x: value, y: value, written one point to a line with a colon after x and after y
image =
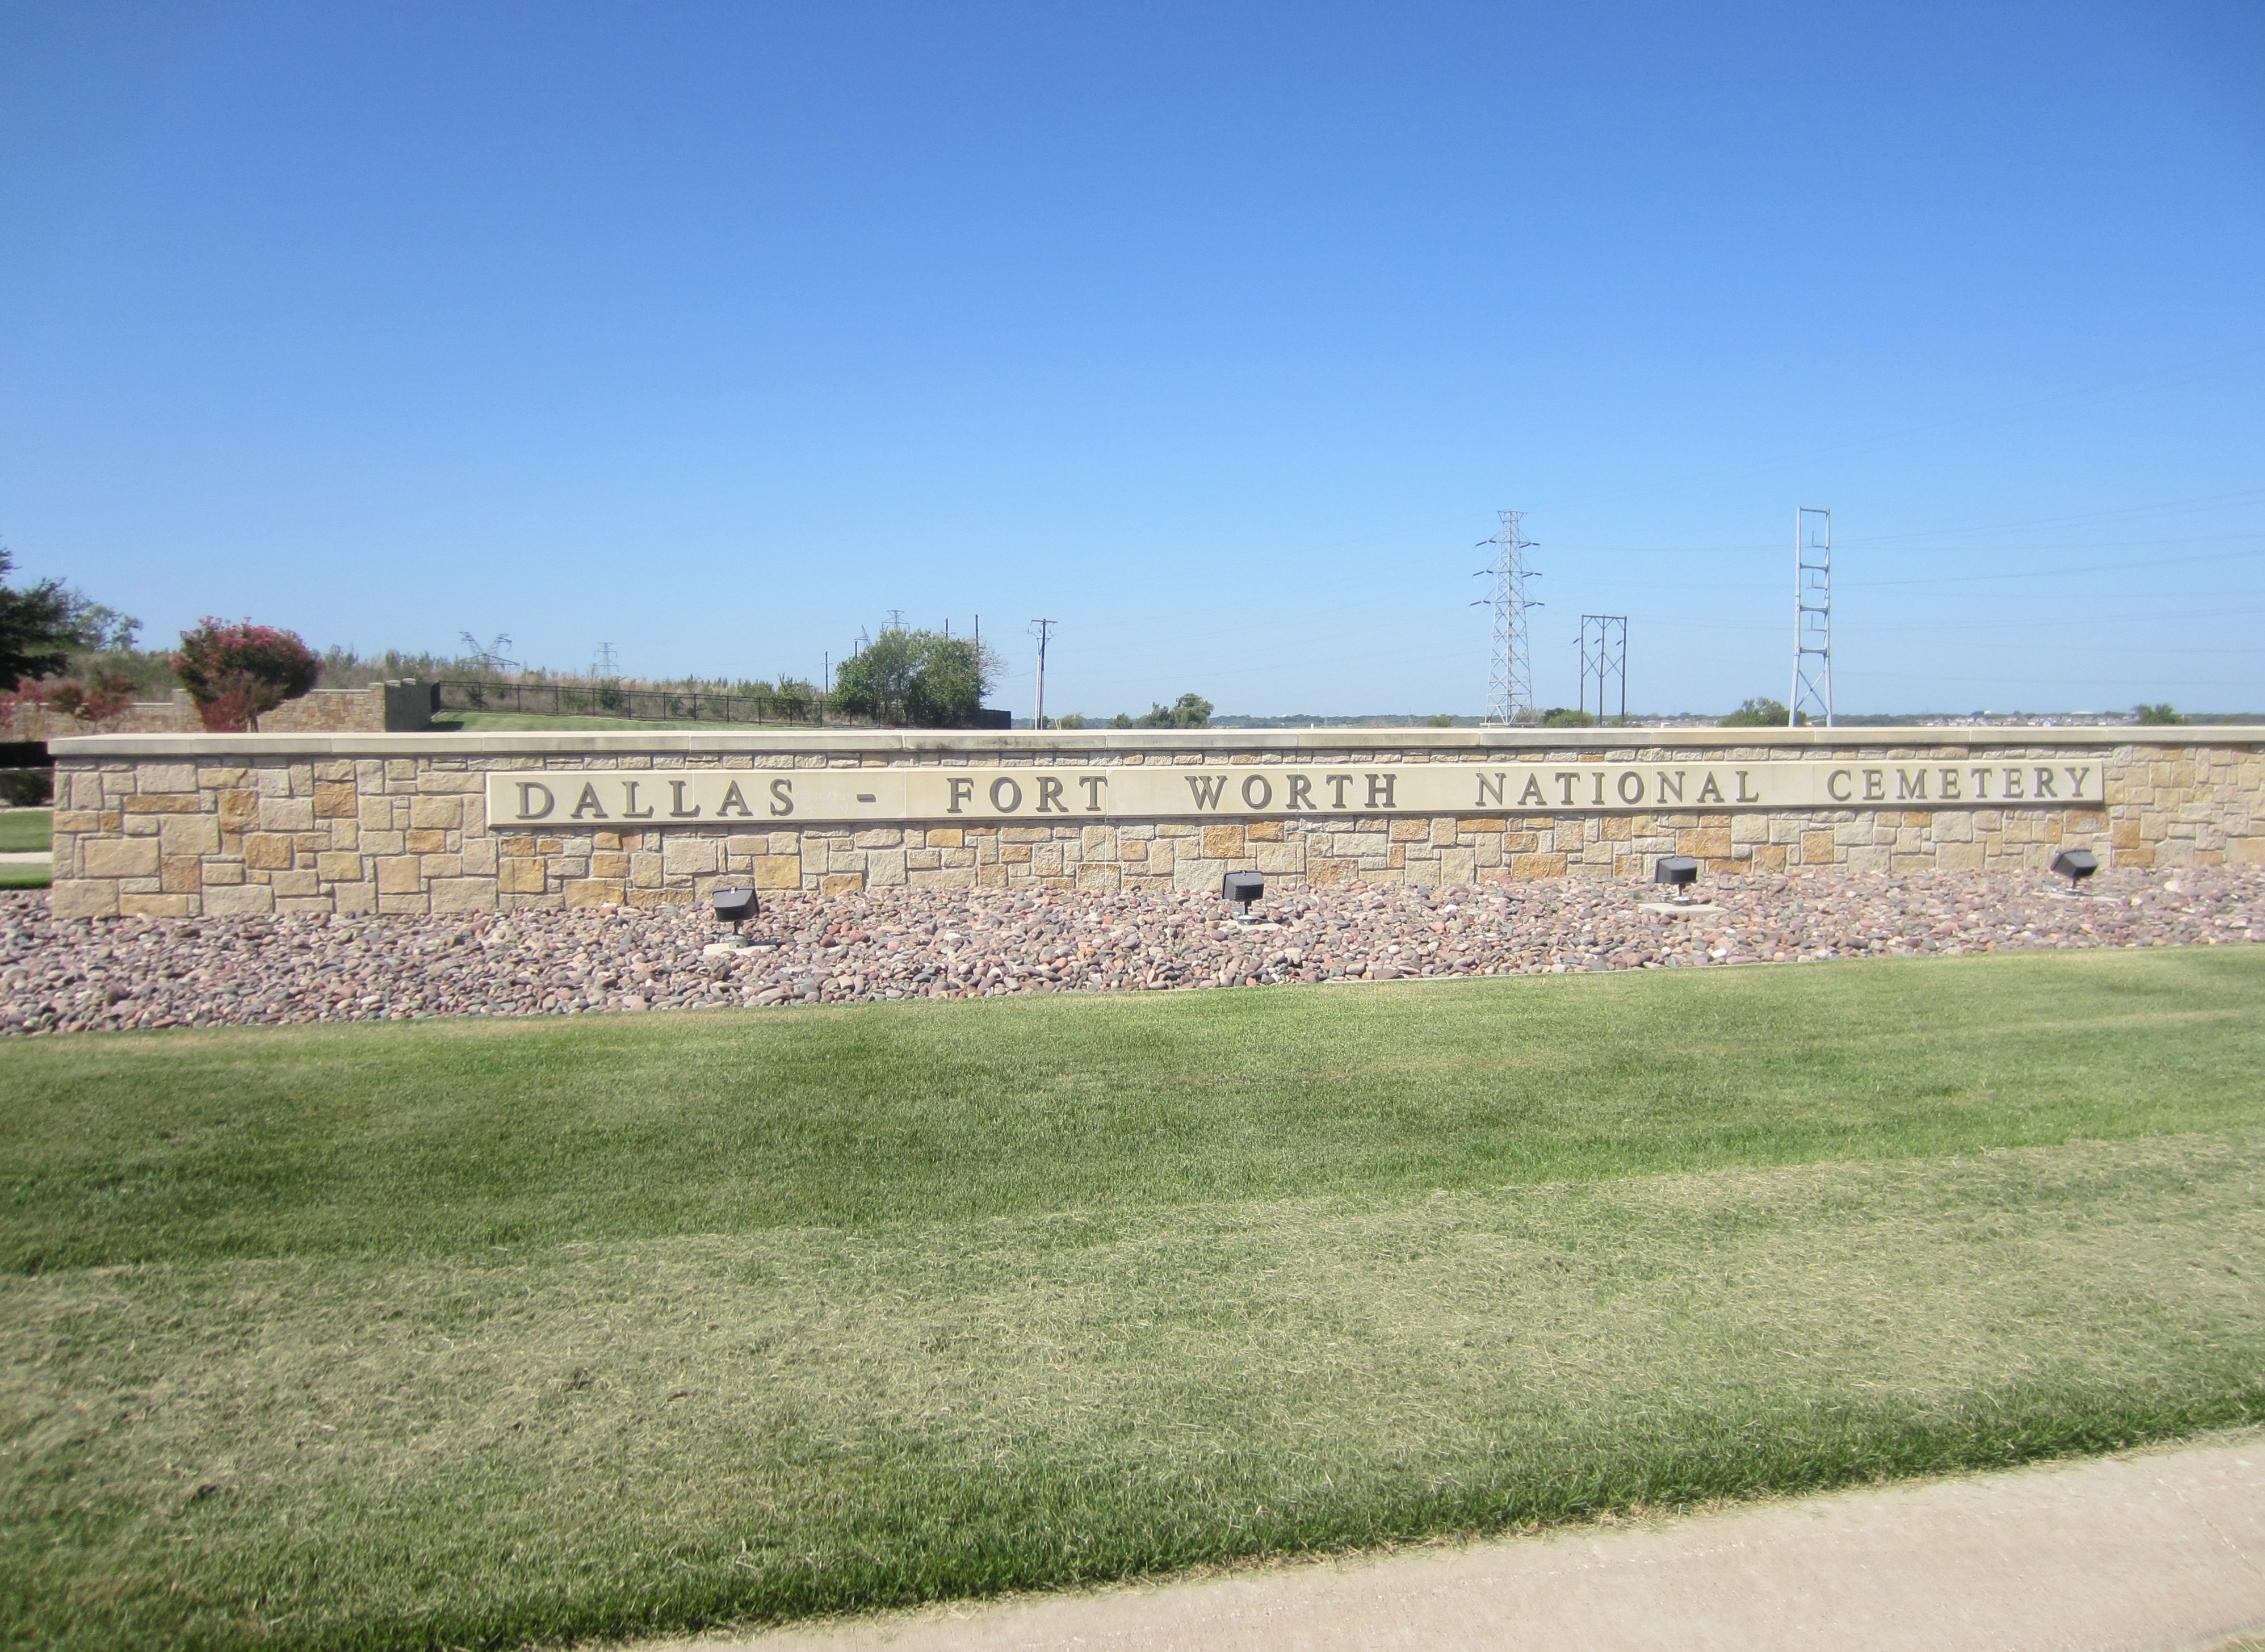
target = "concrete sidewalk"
x: 2161, y: 1549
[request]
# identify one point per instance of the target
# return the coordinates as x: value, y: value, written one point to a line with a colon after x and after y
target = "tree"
x: 1558, y: 716
x: 35, y: 628
x: 2163, y: 713
x: 1758, y: 714
x: 916, y: 679
x: 1189, y: 711
x: 1075, y: 720
x: 235, y: 673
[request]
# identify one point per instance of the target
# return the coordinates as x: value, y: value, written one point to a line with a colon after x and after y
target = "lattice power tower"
x: 1812, y: 617
x: 1510, y: 686
x: 1604, y: 660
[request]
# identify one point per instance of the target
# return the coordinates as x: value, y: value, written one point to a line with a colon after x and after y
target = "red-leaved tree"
x: 235, y: 673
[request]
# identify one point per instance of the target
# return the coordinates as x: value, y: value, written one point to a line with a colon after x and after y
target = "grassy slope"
x: 479, y: 1332
x: 23, y: 830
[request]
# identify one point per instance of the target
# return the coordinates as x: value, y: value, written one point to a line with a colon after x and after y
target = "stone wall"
x: 399, y: 707
x: 184, y: 824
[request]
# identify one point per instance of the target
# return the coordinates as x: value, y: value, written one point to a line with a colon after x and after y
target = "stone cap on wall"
x: 1024, y: 742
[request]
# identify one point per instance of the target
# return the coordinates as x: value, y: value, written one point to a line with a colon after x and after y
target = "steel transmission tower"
x: 1604, y: 660
x: 1812, y: 617
x: 1509, y: 685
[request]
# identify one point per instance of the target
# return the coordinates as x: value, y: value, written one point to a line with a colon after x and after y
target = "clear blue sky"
x: 1217, y: 332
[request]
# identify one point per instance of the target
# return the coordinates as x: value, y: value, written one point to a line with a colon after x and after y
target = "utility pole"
x: 1812, y: 616
x: 1509, y: 685
x: 1043, y: 628
x: 1603, y: 659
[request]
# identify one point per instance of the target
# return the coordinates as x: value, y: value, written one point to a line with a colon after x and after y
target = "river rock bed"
x: 76, y: 975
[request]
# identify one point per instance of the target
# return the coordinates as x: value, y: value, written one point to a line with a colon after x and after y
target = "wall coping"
x: 971, y: 742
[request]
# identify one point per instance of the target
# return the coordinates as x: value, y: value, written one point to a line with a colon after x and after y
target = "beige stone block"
x: 2123, y: 834
x: 885, y: 869
x: 118, y: 857
x: 609, y: 863
x: 1482, y: 823
x: 82, y: 897
x: 287, y: 814
x: 431, y: 841
x: 1768, y: 857
x: 1457, y: 866
x: 189, y: 834
x: 180, y: 873
x: 404, y: 905
x: 436, y: 814
x: 165, y: 778
x: 1222, y: 842
x: 463, y: 894
x: 1816, y: 849
x: 157, y: 906
x: 167, y: 805
x: 238, y: 811
x: 240, y: 900
x: 1283, y: 860
x: 594, y: 891
x: 1323, y: 870
x: 1408, y: 829
x: 686, y: 856
x: 879, y: 838
x: 842, y: 883
x: 1708, y: 843
x: 1959, y: 857
x: 1537, y: 866
x: 335, y: 799
x: 355, y: 900
x: 1099, y: 879
x: 946, y: 838
x: 2247, y: 851
x: 218, y: 779
x: 946, y: 878
x: 397, y: 875
x: 270, y: 851
x: 520, y: 875
x: 334, y: 867
x: 780, y: 871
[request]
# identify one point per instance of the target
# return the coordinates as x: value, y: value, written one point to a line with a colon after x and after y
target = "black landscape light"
x: 735, y: 906
x: 1679, y: 872
x: 2076, y: 865
x: 1243, y: 886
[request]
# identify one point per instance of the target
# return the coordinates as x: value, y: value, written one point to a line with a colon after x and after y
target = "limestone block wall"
x: 181, y: 825
x: 401, y: 706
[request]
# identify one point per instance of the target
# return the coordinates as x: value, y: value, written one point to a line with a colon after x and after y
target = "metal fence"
x: 605, y: 700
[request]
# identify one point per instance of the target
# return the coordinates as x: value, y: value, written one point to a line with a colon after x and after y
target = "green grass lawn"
x: 482, y: 1333
x: 22, y: 830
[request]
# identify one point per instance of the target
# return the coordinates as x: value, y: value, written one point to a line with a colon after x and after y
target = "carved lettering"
x: 1981, y: 784
x: 1265, y: 794
x: 1833, y: 782
x: 676, y: 809
x: 734, y: 803
x: 629, y: 811
x: 1093, y: 784
x: 1710, y: 792
x: 1337, y: 783
x: 782, y: 797
x: 957, y: 790
x: 1532, y: 793
x: 1301, y: 793
x: 1910, y: 783
x: 588, y: 801
x: 1049, y: 796
x: 2044, y: 788
x: 1571, y: 778
x: 1950, y: 785
x: 1490, y: 784
x: 2076, y: 779
x: 1674, y: 780
x: 1006, y: 796
x: 1380, y: 790
x: 1206, y: 790
x: 1742, y: 795
x: 2012, y: 792
x: 1876, y: 785
x: 527, y: 790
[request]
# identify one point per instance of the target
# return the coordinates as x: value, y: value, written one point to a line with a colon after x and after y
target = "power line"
x: 1510, y: 681
x: 1604, y: 660
x: 1812, y: 614
x: 1044, y: 630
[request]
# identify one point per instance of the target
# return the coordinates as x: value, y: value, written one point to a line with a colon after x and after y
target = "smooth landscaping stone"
x: 69, y: 966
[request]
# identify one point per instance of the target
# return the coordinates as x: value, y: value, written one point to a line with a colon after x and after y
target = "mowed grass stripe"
x: 434, y: 1138
x: 594, y: 1439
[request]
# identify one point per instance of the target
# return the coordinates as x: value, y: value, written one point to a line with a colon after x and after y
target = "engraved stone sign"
x: 647, y: 798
